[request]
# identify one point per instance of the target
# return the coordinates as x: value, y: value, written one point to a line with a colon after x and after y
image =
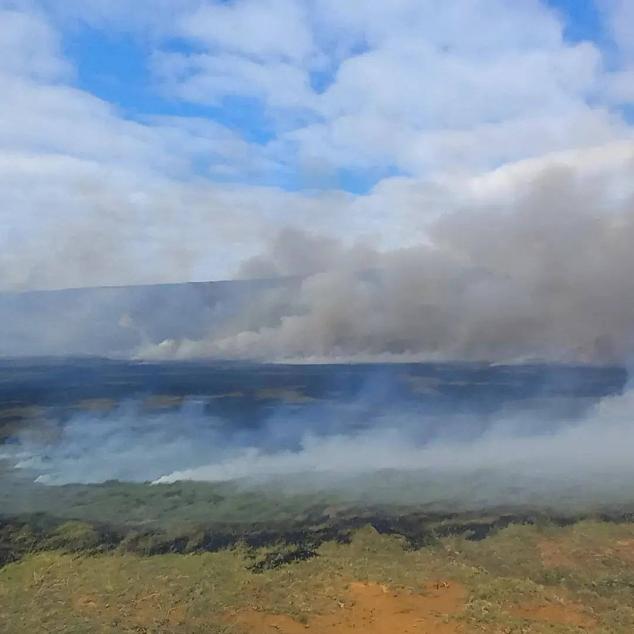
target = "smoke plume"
x: 399, y: 454
x: 544, y: 275
x: 532, y: 262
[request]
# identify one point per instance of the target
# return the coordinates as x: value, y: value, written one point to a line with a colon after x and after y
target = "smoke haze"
x: 376, y: 448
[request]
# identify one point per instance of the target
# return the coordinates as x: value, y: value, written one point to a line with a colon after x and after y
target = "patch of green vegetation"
x: 74, y: 537
x: 158, y: 505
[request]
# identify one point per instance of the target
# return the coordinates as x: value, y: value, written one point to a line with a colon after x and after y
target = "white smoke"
x: 601, y: 443
x: 513, y: 456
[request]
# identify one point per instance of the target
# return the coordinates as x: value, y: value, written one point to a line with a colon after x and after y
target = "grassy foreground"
x: 537, y: 578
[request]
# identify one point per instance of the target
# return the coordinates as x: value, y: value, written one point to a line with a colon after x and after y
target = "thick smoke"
x: 531, y: 262
x: 546, y: 275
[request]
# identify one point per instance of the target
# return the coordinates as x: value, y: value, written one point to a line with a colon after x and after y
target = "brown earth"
x: 557, y: 614
x: 373, y: 609
x: 376, y: 609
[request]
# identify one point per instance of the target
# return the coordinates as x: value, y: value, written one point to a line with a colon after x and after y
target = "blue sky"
x: 351, y: 118
x: 583, y: 20
x: 115, y: 64
x: 115, y: 67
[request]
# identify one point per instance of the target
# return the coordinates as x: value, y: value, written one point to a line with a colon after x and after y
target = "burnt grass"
x: 268, y: 545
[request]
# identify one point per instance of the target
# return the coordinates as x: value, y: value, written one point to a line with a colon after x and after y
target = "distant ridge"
x: 164, y: 285
x: 113, y: 321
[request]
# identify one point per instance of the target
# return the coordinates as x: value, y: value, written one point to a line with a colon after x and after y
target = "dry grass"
x: 511, y: 582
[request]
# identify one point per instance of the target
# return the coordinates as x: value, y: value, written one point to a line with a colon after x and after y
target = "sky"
x: 170, y: 140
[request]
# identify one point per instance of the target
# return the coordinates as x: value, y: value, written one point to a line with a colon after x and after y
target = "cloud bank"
x: 360, y: 123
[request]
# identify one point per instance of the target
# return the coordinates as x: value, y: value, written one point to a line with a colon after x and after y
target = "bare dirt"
x: 376, y: 609
x: 373, y: 609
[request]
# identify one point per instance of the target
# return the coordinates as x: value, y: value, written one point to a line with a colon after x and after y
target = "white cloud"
x: 259, y: 28
x: 492, y: 24
x: 149, y: 19
x: 29, y: 47
x: 209, y: 78
x: 620, y: 17
x: 444, y: 92
x: 90, y: 197
x: 618, y: 83
x: 411, y: 84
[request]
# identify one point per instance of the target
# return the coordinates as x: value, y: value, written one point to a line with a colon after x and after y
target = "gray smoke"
x: 531, y: 265
x: 545, y: 276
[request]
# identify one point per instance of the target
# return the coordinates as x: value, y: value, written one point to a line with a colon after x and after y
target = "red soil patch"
x: 373, y: 609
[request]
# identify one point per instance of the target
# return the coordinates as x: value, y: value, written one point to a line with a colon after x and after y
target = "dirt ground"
x: 374, y: 609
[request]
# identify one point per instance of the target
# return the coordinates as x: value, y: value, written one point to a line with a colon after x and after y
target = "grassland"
x: 520, y: 579
x: 443, y: 556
